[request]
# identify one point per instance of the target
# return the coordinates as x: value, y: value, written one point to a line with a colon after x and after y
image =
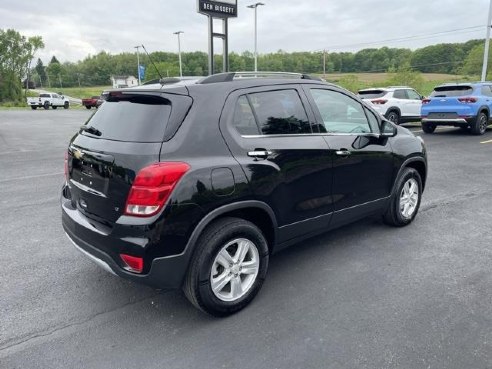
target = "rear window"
x: 371, y: 94
x: 135, y: 119
x: 44, y: 95
x: 449, y: 91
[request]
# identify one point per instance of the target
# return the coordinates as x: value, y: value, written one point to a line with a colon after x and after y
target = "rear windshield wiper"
x: 91, y: 130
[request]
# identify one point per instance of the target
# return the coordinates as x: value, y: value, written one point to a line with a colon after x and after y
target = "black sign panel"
x: 218, y: 9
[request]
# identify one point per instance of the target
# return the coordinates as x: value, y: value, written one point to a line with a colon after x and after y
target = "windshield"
x: 450, y: 91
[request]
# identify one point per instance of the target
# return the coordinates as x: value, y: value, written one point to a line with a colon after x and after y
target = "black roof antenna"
x: 159, y: 73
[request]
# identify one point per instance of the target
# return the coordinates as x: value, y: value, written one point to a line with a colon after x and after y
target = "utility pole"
x: 138, y: 63
x: 179, y: 53
x: 487, y: 42
x: 255, y: 7
x: 324, y: 63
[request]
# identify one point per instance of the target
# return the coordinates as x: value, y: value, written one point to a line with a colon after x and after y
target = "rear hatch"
x: 122, y: 137
x: 448, y: 102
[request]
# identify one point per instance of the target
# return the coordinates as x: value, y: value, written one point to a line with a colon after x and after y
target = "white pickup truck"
x: 45, y: 100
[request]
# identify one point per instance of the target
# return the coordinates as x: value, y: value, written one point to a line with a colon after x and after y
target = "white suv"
x: 398, y: 104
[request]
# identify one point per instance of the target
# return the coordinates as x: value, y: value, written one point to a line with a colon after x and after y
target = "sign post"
x: 223, y: 9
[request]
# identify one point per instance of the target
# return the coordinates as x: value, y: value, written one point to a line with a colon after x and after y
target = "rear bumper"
x: 164, y: 272
x: 456, y: 122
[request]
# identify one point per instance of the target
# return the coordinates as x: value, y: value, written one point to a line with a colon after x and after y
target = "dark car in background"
x: 195, y: 185
x: 464, y: 105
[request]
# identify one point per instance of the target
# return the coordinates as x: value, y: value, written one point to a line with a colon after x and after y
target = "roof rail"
x: 230, y: 76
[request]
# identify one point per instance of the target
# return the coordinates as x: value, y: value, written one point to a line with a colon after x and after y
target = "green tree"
x: 406, y: 76
x: 16, y: 53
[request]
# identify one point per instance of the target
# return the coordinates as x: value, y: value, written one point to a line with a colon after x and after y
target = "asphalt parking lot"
x: 364, y: 296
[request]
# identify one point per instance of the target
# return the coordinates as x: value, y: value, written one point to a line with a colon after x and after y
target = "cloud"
x: 71, y: 31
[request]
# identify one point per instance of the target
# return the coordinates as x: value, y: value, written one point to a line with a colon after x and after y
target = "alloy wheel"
x: 235, y: 269
x: 409, y: 198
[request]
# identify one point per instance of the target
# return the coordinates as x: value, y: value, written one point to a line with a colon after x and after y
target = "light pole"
x: 255, y: 7
x: 138, y: 63
x: 487, y: 41
x: 179, y: 53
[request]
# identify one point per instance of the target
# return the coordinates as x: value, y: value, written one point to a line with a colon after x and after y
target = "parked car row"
x: 464, y: 105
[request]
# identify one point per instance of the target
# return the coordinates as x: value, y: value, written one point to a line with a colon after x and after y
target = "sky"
x: 72, y: 30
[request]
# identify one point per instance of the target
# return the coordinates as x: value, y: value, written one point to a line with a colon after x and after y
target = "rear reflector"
x: 133, y: 263
x: 152, y: 187
x: 425, y: 101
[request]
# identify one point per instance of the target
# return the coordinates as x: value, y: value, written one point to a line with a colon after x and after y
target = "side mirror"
x: 388, y: 129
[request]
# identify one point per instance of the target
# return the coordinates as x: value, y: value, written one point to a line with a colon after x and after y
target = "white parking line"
x: 486, y: 142
x: 31, y: 177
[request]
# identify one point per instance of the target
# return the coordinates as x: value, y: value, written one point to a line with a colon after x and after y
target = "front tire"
x: 479, y: 126
x: 54, y: 107
x: 88, y: 107
x: 228, y: 268
x: 66, y: 105
x: 405, y: 201
x: 33, y: 107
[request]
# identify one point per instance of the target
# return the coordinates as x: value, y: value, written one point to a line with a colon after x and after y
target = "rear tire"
x: 46, y: 105
x: 405, y: 201
x: 428, y: 128
x: 34, y: 107
x: 393, y: 116
x: 237, y: 277
x: 87, y: 107
x: 54, y: 107
x: 479, y: 126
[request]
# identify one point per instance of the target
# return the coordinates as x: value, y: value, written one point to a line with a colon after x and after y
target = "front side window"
x: 340, y: 113
x: 280, y: 112
x: 412, y: 95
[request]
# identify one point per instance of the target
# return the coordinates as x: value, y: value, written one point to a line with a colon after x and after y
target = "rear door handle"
x: 260, y: 153
x: 342, y: 152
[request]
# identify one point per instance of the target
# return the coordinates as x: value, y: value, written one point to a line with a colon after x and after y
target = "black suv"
x: 194, y: 185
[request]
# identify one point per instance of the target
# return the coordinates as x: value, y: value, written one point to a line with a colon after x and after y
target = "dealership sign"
x: 218, y: 9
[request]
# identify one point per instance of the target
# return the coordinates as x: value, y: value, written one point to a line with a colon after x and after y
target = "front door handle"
x: 260, y: 153
x: 342, y: 152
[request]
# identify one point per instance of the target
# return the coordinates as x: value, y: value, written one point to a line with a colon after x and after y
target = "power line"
x: 407, y: 38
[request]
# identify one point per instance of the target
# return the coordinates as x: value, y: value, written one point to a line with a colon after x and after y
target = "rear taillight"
x: 66, y: 165
x: 133, y: 263
x: 152, y: 187
x: 425, y: 101
x: 467, y: 100
x: 379, y: 101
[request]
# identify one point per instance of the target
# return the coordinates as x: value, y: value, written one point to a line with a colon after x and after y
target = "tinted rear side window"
x: 44, y: 95
x: 280, y: 112
x: 244, y: 119
x: 450, y: 91
x: 371, y: 94
x: 136, y: 120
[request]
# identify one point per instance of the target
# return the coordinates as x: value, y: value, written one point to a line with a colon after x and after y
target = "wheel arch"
x: 256, y: 212
x: 484, y: 109
x: 393, y: 108
x: 419, y: 164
